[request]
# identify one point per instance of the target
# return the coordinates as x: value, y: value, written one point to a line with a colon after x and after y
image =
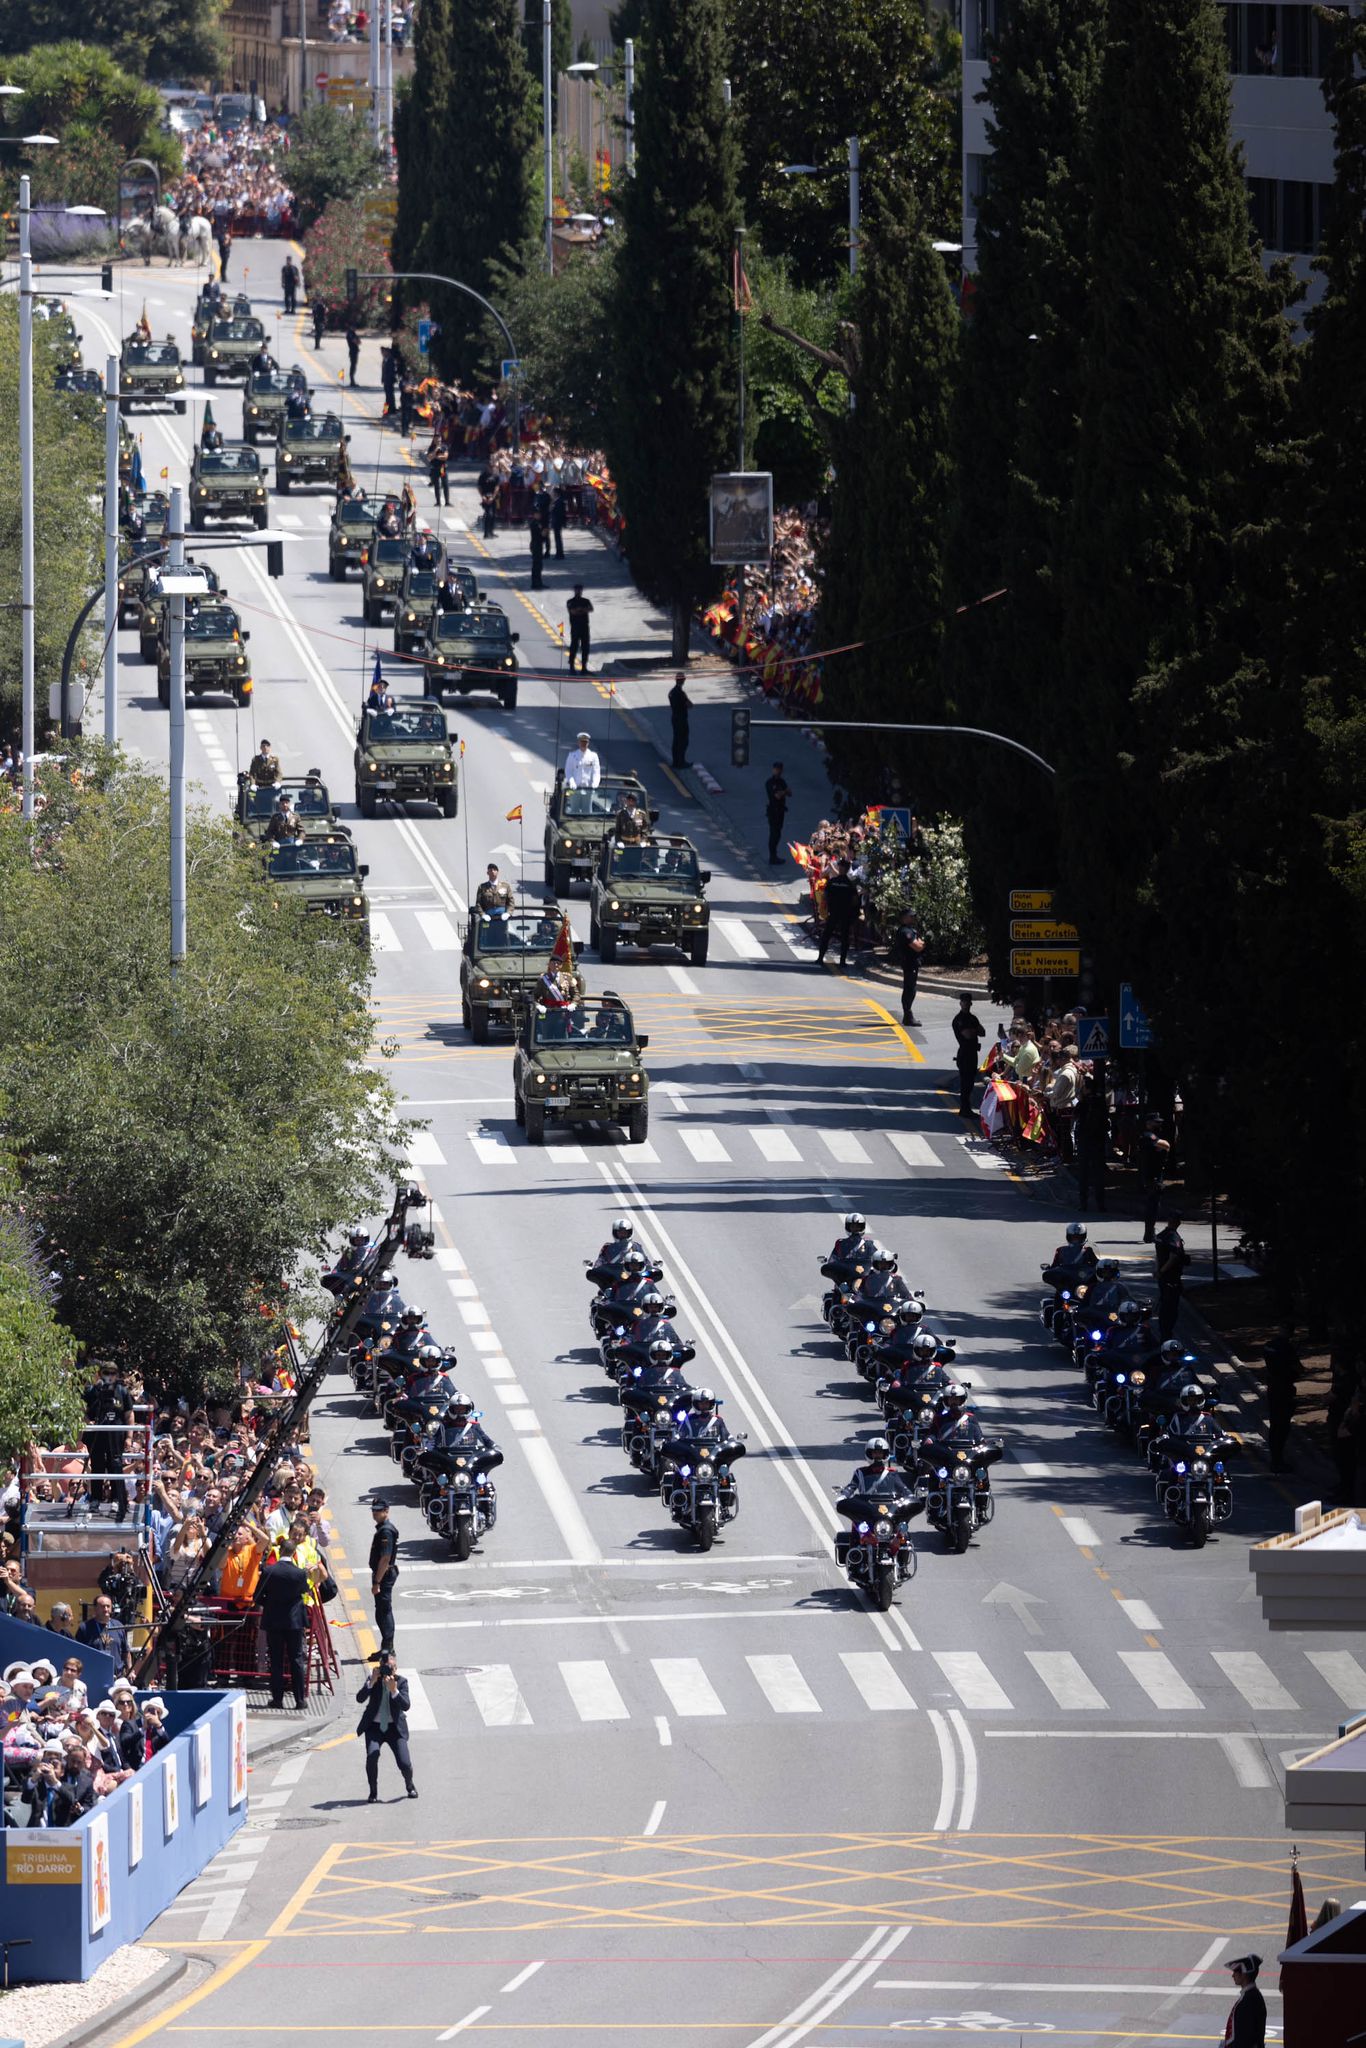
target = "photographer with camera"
x: 384, y: 1721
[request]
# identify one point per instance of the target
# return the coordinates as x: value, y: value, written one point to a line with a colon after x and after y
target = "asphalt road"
x: 667, y: 1797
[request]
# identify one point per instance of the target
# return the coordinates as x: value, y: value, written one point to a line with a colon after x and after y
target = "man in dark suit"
x: 1246, y: 2026
x: 384, y: 1722
x: 280, y: 1596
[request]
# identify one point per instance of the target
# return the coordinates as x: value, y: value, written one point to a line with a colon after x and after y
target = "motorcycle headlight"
x: 462, y: 1480
x: 884, y: 1528
x: 705, y: 1472
x: 961, y: 1475
x: 1138, y: 1379
x: 1199, y: 1469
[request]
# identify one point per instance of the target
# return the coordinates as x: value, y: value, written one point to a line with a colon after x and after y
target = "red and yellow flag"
x: 562, y: 952
x: 514, y: 815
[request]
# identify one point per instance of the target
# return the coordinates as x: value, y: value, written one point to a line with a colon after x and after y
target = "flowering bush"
x: 932, y: 881
x: 343, y: 238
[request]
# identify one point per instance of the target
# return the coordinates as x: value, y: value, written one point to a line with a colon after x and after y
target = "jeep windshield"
x: 521, y: 931
x: 581, y: 1024
x: 421, y: 583
x: 597, y: 803
x: 313, y: 857
x: 399, y: 727
x: 392, y: 553
x: 270, y: 384
x: 154, y: 355
x: 229, y: 462
x: 358, y: 511
x: 310, y: 800
x: 238, y: 330
x: 328, y: 429
x: 210, y: 625
x: 655, y: 864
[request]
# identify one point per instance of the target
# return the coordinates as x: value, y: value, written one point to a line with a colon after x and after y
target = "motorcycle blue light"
x: 1095, y: 1336
x: 635, y: 1372
x: 1219, y: 1465
x: 870, y: 1326
x: 863, y: 1528
x: 685, y: 1471
x: 943, y: 1471
x: 1067, y: 1294
x: 1119, y: 1379
x: 1180, y: 1465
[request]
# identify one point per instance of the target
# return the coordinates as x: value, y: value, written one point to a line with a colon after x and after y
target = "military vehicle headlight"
x: 614, y: 905
x: 483, y: 982
x: 286, y: 456
x: 379, y: 583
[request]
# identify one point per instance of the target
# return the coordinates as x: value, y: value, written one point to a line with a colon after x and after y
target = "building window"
x: 1289, y: 217
x: 1262, y: 194
x: 982, y: 19
x: 1286, y: 39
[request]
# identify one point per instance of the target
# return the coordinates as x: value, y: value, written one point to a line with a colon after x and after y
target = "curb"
x: 165, y: 1979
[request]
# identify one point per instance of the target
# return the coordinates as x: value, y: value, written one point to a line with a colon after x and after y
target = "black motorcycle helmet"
x: 854, y: 1224
x: 882, y: 1260
x: 660, y: 1352
x: 1107, y: 1269
x: 1172, y: 1352
x: 634, y: 1261
x: 1128, y: 1313
x: 622, y: 1229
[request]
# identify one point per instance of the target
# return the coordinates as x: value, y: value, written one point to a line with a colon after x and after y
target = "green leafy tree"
x: 101, y: 115
x: 805, y: 77
x: 562, y: 327
x: 1183, y: 402
x: 484, y: 151
x: 68, y: 546
x: 344, y: 237
x: 189, y: 1143
x: 673, y: 424
x: 883, y: 561
x: 155, y: 39
x: 419, y: 116
x: 1015, y: 434
x: 39, y: 1386
x: 561, y: 42
x: 333, y: 158
x: 795, y: 393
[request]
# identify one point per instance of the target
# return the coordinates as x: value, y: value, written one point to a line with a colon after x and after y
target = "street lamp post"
x: 629, y: 60
x: 26, y: 597
x: 175, y: 533
x: 111, y: 549
x: 389, y: 80
x: 546, y: 6
x: 354, y: 277
x: 853, y: 205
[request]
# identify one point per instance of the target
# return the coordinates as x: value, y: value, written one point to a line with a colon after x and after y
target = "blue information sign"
x: 1093, y: 1037
x: 1136, y: 1032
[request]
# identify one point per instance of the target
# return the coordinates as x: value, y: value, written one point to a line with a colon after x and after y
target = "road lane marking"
x: 516, y: 1983
x: 968, y: 1675
x: 438, y: 930
x: 1255, y: 1680
x: 423, y: 1150
x: 813, y: 2012
x: 1081, y: 1532
x: 915, y: 1150
x: 566, y: 1155
x: 1065, y: 1679
x: 664, y: 1731
x: 683, y: 981
x: 421, y: 1719
x: 877, y: 1682
x: 688, y: 1686
x: 845, y: 1148
x: 562, y: 1501
x: 593, y: 1690
x: 705, y: 1147
x: 491, y: 1148
x: 1215, y: 1949
x: 967, y: 1809
x: 651, y: 1826
x: 497, y: 1696
x: 1340, y: 1670
x: 1161, y: 1680
x: 739, y: 937
x: 775, y: 1145
x: 1141, y: 1615
x: 383, y: 937
x: 468, y: 2021
x: 1246, y: 1758
x: 783, y: 1686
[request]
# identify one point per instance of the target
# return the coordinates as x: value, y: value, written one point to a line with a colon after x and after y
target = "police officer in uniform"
x: 1171, y: 1259
x: 383, y: 1572
x: 492, y: 895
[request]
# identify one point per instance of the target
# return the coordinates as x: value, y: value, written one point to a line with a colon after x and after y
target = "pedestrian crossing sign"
x: 1093, y: 1037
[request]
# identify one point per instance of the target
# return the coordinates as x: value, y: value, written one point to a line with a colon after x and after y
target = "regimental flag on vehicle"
x: 377, y: 679
x: 144, y: 326
x: 514, y: 816
x: 562, y: 952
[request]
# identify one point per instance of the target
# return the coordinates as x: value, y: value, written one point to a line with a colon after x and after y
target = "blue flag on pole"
x: 377, y: 679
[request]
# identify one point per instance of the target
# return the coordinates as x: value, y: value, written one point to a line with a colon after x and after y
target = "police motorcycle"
x: 457, y: 1496
x: 1173, y: 1370
x: 409, y: 1401
x: 621, y: 1355
x: 847, y: 1264
x: 1072, y: 1261
x: 697, y: 1462
x: 909, y: 1401
x: 396, y: 1355
x: 875, y: 1552
x: 878, y: 1340
x: 1194, y: 1490
x: 605, y: 1269
x: 614, y: 1311
x: 339, y: 1281
x: 952, y: 1469
x: 1128, y: 1335
x: 1085, y: 1307
x: 911, y: 1349
x: 870, y: 1312
x: 375, y: 1325
x: 652, y: 1395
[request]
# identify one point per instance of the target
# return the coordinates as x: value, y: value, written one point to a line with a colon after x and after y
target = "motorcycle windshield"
x: 883, y: 1502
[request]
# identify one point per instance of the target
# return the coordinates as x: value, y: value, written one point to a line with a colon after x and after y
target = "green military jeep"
x: 326, y: 875
x: 580, y: 1064
x: 149, y: 370
x: 231, y: 346
x: 227, y: 483
x: 215, y: 654
x: 472, y: 650
x: 209, y: 307
x: 309, y: 452
x: 152, y: 609
x: 578, y: 820
x: 263, y: 404
x: 650, y: 893
x: 136, y: 559
x: 63, y: 339
x: 313, y: 807
x: 350, y: 534
x: 381, y: 576
x: 503, y: 958
x: 406, y: 754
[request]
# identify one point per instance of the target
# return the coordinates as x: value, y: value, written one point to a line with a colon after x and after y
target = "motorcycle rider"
x: 621, y: 1301
x: 852, y: 1250
x: 349, y: 1260
x: 702, y: 1419
x: 955, y: 1427
x: 1070, y: 1259
x: 904, y: 1345
x: 653, y: 1326
x: 622, y: 1240
x: 876, y: 1467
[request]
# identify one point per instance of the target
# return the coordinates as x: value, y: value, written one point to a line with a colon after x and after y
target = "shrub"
x: 342, y: 237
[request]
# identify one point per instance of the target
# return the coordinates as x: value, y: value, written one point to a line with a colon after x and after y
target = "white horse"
x: 197, y: 240
x: 163, y: 235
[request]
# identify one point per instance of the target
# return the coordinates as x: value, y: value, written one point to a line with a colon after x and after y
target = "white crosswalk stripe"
x: 1254, y: 1679
x: 968, y: 1675
x: 705, y: 1146
x: 879, y: 1687
x: 491, y: 1148
x: 566, y: 1155
x: 643, y: 1154
x: 688, y: 1687
x: 423, y: 1150
x: 915, y: 1150
x: 495, y: 1693
x: 1340, y: 1670
x: 383, y: 937
x: 783, y: 1686
x: 440, y: 932
x: 594, y: 1692
x: 775, y: 1145
x: 1065, y: 1679
x: 845, y: 1148
x: 738, y: 937
x: 1161, y: 1680
x: 794, y: 938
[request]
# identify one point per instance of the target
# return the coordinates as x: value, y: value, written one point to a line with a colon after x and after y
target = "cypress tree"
x: 482, y: 196
x: 1183, y: 395
x: 419, y: 115
x: 674, y: 422
x: 1015, y: 434
x: 883, y: 565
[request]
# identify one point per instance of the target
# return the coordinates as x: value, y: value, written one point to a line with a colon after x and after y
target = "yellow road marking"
x: 284, y: 1919
x: 333, y: 1742
x: 215, y: 1983
x: 899, y: 1029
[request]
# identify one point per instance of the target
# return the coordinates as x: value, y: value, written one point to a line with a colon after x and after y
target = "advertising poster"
x: 203, y: 1767
x: 170, y: 1789
x: 134, y: 1823
x: 101, y: 1880
x: 237, y: 1790
x: 742, y: 518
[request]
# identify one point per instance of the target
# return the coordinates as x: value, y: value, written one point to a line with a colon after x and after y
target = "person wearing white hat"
x: 582, y: 768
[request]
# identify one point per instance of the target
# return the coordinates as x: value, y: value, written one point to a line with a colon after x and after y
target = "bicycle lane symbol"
x: 972, y: 2023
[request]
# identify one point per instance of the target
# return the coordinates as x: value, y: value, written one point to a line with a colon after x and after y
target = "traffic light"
x: 739, y: 738
x: 275, y: 558
x: 352, y: 287
x: 106, y: 277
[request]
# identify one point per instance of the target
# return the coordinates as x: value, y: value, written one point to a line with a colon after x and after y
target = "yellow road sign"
x: 1030, y: 899
x: 1040, y: 963
x: 1042, y: 931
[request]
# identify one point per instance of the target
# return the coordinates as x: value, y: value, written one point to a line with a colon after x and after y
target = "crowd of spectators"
x: 63, y: 1751
x: 773, y: 632
x: 352, y: 24
x: 237, y: 179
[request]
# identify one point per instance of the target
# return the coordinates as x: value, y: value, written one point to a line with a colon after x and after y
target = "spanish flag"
x: 562, y: 952
x: 514, y: 816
